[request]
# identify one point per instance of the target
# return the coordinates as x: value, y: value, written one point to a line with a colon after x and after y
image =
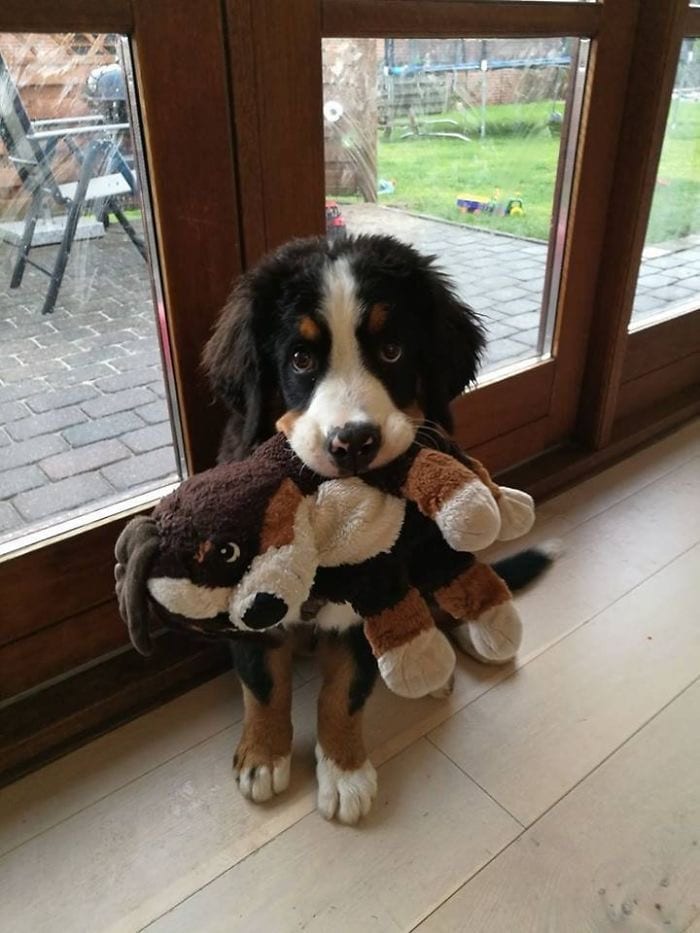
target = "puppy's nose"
x: 354, y: 446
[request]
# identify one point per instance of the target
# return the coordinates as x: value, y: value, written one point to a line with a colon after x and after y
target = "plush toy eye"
x: 391, y: 352
x: 303, y: 362
x: 230, y: 552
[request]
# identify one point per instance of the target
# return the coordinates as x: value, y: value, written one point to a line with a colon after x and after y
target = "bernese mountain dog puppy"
x: 348, y: 347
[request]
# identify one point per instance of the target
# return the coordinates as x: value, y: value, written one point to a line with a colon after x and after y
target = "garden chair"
x: 102, y: 176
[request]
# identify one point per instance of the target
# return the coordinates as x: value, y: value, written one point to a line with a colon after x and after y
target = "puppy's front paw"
x: 344, y: 795
x: 259, y: 774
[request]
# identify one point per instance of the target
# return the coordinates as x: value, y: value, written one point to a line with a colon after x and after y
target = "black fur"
x: 521, y: 569
x: 250, y: 663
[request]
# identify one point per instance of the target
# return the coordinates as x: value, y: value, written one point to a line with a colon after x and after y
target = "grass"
x: 519, y: 156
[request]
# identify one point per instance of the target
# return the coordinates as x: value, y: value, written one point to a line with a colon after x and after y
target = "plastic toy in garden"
x: 479, y: 204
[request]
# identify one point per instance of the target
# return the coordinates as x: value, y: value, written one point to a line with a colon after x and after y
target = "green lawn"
x: 519, y: 157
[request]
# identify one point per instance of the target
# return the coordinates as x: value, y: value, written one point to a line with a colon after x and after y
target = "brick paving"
x: 83, y: 417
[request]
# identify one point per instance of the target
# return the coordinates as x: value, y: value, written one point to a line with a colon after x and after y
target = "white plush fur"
x: 493, y: 638
x: 419, y: 667
x: 344, y: 795
x: 337, y: 617
x: 482, y: 527
x: 347, y: 391
x: 352, y: 521
x: 286, y: 572
x: 517, y: 510
x: 261, y: 783
x: 188, y: 599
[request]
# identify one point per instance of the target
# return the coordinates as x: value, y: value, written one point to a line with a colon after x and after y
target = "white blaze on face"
x: 347, y: 391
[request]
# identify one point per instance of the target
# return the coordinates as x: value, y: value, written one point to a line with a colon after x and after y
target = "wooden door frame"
x: 58, y: 598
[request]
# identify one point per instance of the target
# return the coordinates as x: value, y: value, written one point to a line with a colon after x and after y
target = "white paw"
x: 261, y: 782
x: 493, y: 638
x: 419, y: 667
x: 344, y: 795
x: 517, y: 510
x: 470, y: 520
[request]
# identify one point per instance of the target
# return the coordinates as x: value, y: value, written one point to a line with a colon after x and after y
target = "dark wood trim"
x: 652, y: 73
x: 52, y: 584
x: 66, y: 16
x: 653, y: 347
x: 593, y: 187
x: 436, y: 18
x: 639, y: 394
x: 276, y: 77
x: 500, y: 407
x: 50, y: 723
x: 28, y: 662
x: 182, y: 78
x: 556, y: 470
x: 691, y: 26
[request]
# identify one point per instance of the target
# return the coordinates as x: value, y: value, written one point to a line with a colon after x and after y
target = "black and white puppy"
x: 348, y: 347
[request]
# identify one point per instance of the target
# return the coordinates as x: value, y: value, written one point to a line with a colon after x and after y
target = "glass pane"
x: 84, y: 419
x: 669, y: 277
x: 456, y: 146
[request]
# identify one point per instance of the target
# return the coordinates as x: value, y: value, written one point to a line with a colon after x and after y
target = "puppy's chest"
x: 353, y: 521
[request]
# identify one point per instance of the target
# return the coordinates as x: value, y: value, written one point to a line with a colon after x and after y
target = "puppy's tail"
x: 522, y: 568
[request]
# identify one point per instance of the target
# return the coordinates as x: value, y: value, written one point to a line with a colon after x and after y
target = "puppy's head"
x: 346, y: 347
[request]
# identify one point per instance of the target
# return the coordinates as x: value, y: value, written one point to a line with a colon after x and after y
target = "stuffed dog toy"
x: 238, y: 550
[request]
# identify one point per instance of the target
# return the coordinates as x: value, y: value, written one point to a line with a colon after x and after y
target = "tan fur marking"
x: 485, y: 478
x: 339, y: 732
x: 308, y: 328
x: 429, y: 486
x: 414, y: 411
x: 278, y: 524
x: 378, y: 315
x: 398, y: 625
x: 473, y: 591
x: 267, y: 727
x: 287, y: 421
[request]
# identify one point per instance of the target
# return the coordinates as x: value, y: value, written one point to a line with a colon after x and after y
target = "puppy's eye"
x: 303, y: 362
x: 230, y: 552
x: 391, y: 352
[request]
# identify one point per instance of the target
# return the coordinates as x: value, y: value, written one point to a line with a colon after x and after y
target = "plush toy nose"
x: 354, y: 446
x: 264, y: 611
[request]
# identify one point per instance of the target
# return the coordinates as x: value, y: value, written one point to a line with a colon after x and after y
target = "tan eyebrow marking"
x: 378, y: 314
x: 308, y: 328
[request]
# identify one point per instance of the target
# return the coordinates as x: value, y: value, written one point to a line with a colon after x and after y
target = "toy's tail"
x: 522, y: 568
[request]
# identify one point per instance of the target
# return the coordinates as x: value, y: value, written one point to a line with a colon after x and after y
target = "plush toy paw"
x: 517, y: 510
x: 259, y: 774
x: 493, y: 638
x: 470, y: 519
x: 344, y: 795
x: 421, y: 666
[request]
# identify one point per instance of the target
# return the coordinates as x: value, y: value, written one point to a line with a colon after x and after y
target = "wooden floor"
x: 563, y: 796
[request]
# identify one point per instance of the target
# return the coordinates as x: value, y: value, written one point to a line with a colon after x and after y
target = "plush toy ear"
x: 455, y: 348
x: 135, y: 550
x: 232, y: 363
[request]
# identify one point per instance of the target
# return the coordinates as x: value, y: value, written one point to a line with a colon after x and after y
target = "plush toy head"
x: 185, y: 561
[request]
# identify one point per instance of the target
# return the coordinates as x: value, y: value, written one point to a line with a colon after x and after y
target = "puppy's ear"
x: 455, y: 349
x: 232, y: 363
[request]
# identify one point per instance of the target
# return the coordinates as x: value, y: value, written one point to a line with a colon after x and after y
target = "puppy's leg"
x: 347, y: 781
x: 262, y: 759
